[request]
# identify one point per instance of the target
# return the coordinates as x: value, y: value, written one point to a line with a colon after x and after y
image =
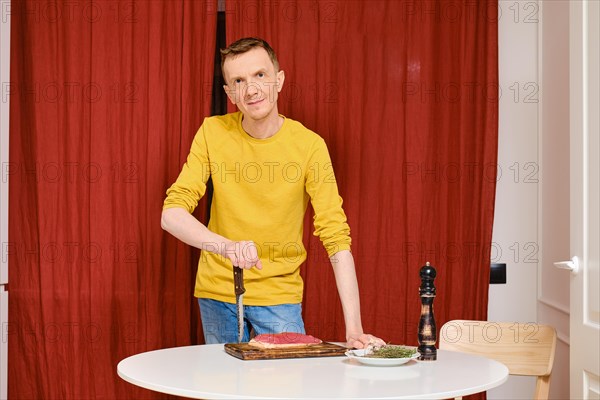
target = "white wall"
x: 531, y: 224
x: 515, y: 236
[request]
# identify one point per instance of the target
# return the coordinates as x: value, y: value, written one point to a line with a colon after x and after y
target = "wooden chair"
x: 525, y: 348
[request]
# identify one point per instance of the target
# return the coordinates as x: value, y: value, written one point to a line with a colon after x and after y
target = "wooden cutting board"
x: 244, y: 351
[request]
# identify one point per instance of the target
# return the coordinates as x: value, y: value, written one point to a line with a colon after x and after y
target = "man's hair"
x: 243, y: 45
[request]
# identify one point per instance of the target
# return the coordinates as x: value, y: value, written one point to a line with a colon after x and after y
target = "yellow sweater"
x: 261, y: 191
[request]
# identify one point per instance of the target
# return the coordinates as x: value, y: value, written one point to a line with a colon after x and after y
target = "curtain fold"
x: 405, y: 93
x: 105, y: 100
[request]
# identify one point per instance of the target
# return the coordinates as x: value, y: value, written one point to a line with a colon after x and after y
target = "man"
x: 264, y: 168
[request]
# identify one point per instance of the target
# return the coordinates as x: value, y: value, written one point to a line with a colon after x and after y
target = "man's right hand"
x: 184, y: 226
x: 243, y: 254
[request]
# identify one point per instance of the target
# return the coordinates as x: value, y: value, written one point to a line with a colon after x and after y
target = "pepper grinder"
x: 427, y: 330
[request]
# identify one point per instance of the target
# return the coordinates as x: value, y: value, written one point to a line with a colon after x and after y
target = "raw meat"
x: 284, y: 339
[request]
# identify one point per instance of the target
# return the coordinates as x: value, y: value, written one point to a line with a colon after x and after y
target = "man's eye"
x: 261, y: 74
x: 238, y: 81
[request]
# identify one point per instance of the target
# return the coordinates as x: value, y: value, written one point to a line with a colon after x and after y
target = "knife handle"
x: 238, y: 280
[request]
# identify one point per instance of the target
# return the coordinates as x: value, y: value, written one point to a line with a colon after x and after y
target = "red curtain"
x: 405, y: 93
x: 105, y: 100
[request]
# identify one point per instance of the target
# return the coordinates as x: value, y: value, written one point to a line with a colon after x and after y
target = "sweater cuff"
x: 334, y: 248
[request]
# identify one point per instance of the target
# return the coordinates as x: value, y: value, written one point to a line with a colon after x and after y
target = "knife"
x: 238, y: 283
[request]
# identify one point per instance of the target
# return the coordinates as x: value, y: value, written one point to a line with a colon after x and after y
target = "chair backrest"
x: 525, y: 348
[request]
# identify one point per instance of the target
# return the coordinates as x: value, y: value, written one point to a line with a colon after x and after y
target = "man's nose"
x: 251, y: 89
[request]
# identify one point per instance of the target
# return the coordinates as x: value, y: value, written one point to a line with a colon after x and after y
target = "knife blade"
x: 238, y: 283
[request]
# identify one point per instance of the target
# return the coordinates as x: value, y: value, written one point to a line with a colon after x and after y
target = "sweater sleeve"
x: 330, y: 220
x: 190, y: 186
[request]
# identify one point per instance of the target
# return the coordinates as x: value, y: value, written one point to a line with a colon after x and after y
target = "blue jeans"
x: 219, y: 320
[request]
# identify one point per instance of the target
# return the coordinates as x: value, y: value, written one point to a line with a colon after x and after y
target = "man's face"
x: 252, y: 83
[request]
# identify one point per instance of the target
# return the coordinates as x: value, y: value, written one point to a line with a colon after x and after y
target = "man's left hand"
x: 363, y: 340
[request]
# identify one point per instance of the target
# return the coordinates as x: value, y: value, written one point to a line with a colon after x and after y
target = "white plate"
x: 359, y: 355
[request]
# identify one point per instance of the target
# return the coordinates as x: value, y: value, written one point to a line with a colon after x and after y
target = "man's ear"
x: 280, y: 80
x: 231, y: 94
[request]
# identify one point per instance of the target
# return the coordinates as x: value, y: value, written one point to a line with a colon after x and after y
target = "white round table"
x: 206, y: 371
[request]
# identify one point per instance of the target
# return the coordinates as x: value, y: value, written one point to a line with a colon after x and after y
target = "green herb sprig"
x: 392, y: 351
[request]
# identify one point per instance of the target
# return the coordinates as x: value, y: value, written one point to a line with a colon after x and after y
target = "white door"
x: 585, y: 199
